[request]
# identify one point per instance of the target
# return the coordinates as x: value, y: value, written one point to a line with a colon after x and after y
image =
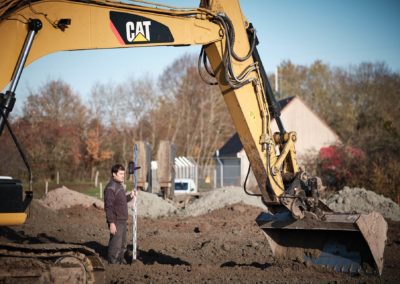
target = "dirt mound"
x: 361, y: 200
x: 63, y: 197
x: 220, y: 198
x: 152, y: 206
x: 149, y: 205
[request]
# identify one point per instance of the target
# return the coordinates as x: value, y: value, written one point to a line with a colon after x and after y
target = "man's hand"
x: 133, y: 193
x: 113, y: 229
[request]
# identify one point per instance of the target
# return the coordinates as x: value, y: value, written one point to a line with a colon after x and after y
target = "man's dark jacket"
x: 116, y: 202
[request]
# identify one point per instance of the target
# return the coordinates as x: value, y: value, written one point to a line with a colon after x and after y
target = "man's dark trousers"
x: 117, y: 244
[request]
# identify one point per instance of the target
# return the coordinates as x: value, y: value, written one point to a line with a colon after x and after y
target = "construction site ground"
x: 184, y: 243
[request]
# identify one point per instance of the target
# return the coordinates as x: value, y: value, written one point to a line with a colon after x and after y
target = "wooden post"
x: 96, y: 178
x: 58, y: 177
x: 101, y: 191
x: 215, y: 178
x: 46, y: 188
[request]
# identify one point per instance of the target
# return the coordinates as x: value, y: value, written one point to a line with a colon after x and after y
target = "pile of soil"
x: 64, y: 197
x: 361, y: 200
x: 218, y: 199
x: 152, y: 206
x: 149, y: 205
x: 220, y: 246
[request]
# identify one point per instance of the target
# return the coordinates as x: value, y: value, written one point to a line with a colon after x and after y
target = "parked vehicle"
x: 184, y: 186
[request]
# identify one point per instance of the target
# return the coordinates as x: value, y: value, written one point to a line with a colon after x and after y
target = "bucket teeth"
x: 338, y: 258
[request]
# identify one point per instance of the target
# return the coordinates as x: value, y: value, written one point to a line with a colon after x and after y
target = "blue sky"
x: 338, y: 32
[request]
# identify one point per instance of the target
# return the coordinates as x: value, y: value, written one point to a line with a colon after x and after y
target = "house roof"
x: 234, y: 145
x: 231, y: 147
x: 284, y: 102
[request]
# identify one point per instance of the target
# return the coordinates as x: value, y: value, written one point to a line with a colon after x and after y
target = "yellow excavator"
x: 296, y: 223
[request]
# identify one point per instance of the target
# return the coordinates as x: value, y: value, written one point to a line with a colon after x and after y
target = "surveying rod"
x: 132, y: 167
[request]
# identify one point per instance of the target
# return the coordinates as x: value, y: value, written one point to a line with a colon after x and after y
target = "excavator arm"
x: 32, y: 29
x: 219, y: 26
x: 42, y: 27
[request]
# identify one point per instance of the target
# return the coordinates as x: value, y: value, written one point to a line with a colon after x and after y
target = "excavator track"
x: 49, y: 263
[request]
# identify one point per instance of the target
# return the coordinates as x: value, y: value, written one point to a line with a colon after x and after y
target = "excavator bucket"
x: 352, y: 243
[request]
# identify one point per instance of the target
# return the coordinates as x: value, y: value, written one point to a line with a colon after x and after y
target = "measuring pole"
x: 134, y: 205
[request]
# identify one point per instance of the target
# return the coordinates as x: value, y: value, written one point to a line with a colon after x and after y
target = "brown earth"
x: 219, y: 247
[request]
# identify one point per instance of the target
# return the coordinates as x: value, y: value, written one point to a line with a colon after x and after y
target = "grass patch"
x: 88, y: 188
x: 93, y: 191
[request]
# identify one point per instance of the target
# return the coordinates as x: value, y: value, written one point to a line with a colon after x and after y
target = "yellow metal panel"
x: 242, y: 103
x: 10, y: 219
x: 89, y: 29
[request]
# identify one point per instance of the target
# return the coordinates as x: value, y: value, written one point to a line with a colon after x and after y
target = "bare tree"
x: 53, y: 121
x: 189, y: 112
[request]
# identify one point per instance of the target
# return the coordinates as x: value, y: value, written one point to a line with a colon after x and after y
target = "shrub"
x: 341, y: 165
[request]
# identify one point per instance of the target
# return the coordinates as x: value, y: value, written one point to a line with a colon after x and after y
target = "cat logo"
x: 139, y: 31
x: 136, y: 29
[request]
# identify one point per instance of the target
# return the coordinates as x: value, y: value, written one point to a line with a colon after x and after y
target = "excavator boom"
x: 298, y: 223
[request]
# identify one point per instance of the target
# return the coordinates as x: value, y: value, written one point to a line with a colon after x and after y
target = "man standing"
x: 116, y: 207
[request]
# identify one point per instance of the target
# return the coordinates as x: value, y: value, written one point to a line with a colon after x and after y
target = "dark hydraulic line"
x: 269, y: 94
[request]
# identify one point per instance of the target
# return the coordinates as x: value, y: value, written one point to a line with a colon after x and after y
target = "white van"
x: 184, y: 186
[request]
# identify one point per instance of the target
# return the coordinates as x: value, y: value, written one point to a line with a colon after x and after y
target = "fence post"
x: 46, y: 188
x: 96, y: 178
x: 215, y: 178
x: 58, y: 177
x: 101, y: 191
x: 221, y: 168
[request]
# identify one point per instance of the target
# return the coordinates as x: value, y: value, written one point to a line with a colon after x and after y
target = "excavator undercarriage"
x: 49, y: 263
